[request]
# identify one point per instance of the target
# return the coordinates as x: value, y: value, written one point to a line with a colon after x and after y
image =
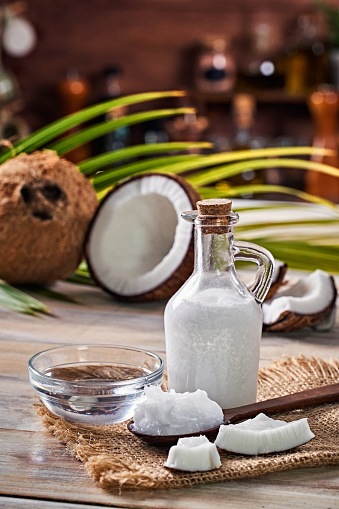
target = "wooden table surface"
x: 37, y: 471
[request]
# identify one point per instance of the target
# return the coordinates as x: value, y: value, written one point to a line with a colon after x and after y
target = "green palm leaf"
x: 224, y: 172
x: 81, y: 275
x: 94, y: 164
x: 224, y: 191
x: 302, y: 255
x: 207, y: 173
x: 45, y: 291
x: 90, y: 133
x: 275, y: 224
x: 42, y: 136
x: 206, y: 161
x: 109, y: 178
x: 308, y: 249
x: 81, y: 279
x: 16, y: 300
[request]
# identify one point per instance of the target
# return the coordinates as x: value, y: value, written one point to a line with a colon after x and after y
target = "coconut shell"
x: 46, y: 205
x: 290, y: 321
x: 167, y: 288
x: 278, y: 282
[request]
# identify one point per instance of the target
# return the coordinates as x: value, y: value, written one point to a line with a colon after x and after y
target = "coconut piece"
x: 193, y: 454
x: 138, y: 248
x: 278, y: 276
x: 326, y: 324
x: 309, y: 302
x: 174, y: 413
x: 46, y: 205
x: 263, y: 435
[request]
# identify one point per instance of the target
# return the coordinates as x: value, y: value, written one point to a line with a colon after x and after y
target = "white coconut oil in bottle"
x: 213, y: 323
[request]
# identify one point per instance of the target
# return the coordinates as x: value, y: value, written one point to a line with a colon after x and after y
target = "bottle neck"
x: 213, y: 252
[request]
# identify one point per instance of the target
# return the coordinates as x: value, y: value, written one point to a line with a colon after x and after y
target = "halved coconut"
x: 138, y: 248
x: 263, y: 435
x: 278, y: 276
x: 310, y: 301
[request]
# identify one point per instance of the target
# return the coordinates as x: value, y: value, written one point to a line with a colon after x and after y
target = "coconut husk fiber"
x: 116, y: 459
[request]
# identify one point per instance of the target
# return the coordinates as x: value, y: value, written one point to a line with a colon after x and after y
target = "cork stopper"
x: 215, y: 215
x: 214, y: 207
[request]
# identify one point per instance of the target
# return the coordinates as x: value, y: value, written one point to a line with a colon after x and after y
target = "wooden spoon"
x: 308, y: 398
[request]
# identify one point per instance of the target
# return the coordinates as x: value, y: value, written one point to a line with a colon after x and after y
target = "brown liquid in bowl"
x: 97, y: 372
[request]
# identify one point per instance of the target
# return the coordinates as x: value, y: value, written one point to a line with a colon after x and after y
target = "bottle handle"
x: 265, y: 262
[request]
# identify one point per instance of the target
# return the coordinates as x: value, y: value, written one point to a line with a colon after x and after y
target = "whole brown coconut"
x: 46, y: 205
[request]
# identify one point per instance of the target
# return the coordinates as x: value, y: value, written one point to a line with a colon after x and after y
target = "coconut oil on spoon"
x: 303, y: 399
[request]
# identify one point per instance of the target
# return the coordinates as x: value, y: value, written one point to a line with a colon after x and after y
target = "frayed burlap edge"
x: 116, y: 459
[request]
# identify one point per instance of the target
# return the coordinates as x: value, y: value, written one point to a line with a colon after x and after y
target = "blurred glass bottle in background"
x: 243, y: 117
x: 324, y: 108
x: 216, y: 68
x: 244, y: 106
x: 119, y: 138
x: 306, y: 63
x: 73, y: 92
x: 261, y: 67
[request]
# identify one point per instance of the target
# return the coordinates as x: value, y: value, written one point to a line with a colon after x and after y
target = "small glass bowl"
x: 94, y: 384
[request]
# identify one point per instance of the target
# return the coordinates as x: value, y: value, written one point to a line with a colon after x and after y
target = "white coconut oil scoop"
x: 308, y: 398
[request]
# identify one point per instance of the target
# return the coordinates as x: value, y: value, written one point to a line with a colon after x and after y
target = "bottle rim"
x: 193, y: 216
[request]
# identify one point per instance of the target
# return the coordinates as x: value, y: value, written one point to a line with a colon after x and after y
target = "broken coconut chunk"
x: 193, y: 454
x: 263, y: 435
x: 309, y: 302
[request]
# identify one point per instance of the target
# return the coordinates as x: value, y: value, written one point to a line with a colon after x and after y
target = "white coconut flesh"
x: 278, y: 265
x: 263, y: 435
x: 309, y: 295
x: 193, y: 454
x: 175, y: 413
x: 138, y: 238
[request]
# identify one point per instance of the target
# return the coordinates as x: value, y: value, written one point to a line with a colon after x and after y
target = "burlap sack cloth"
x: 115, y: 458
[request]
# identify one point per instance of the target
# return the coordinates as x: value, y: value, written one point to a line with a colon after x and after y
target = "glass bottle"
x: 213, y: 323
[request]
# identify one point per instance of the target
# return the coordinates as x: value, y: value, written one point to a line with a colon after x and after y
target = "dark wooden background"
x: 152, y: 40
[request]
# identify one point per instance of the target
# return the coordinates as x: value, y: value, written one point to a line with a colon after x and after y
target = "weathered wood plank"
x: 18, y: 503
x: 16, y: 407
x: 37, y: 466
x: 14, y: 355
x: 107, y: 321
x: 34, y: 466
x: 99, y: 319
x: 271, y: 500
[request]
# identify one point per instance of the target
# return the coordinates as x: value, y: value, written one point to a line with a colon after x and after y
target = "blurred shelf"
x: 275, y: 96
